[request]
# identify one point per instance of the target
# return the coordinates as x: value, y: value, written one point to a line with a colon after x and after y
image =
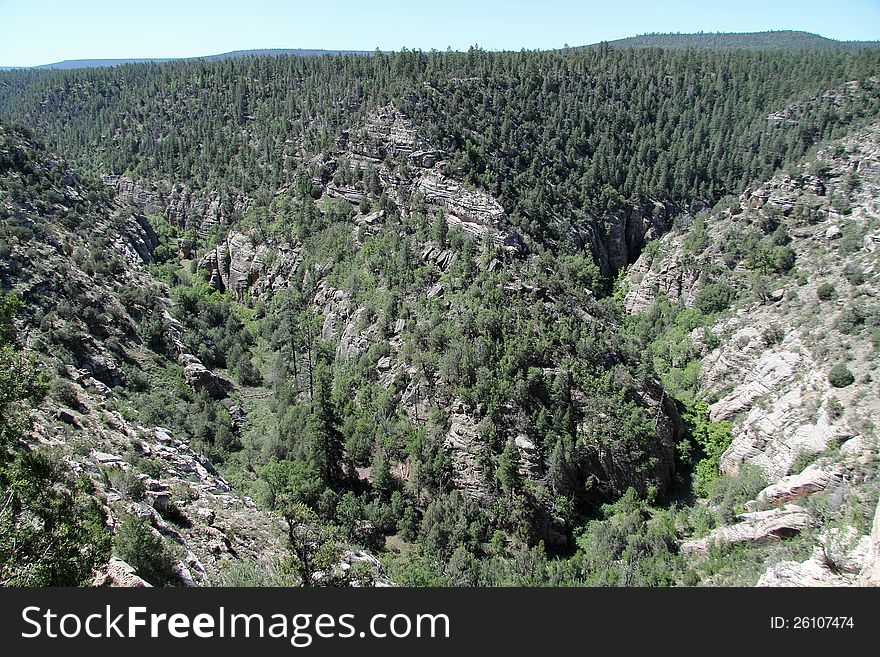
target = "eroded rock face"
x: 778, y: 398
x: 870, y: 573
x: 234, y: 265
x: 117, y: 573
x: 529, y: 457
x: 137, y: 240
x: 351, y: 558
x: 352, y: 326
x: 816, y: 571
x: 758, y: 527
x: 466, y: 450
x: 472, y: 210
x: 395, y: 132
x: 840, y: 559
x: 813, y: 479
x: 836, y: 98
x: 199, y: 210
x: 668, y: 274
x: 103, y: 367
x: 617, y: 239
x: 244, y: 269
x: 149, y: 199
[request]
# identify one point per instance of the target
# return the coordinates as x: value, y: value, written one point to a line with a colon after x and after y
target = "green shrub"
x: 840, y: 376
x: 854, y: 274
x: 803, y: 460
x: 714, y: 298
x: 711, y: 439
x: 155, y: 335
x: 52, y: 529
x: 851, y: 320
x: 64, y: 392
x: 128, y: 484
x: 835, y: 408
x: 826, y: 292
x: 729, y: 493
x: 773, y: 334
x: 138, y: 545
x: 252, y: 573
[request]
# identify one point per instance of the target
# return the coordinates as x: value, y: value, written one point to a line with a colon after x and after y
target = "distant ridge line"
x: 234, y: 54
x: 778, y: 40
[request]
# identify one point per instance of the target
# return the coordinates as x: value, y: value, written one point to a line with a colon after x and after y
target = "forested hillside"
x: 783, y: 40
x: 389, y: 299
x: 585, y: 130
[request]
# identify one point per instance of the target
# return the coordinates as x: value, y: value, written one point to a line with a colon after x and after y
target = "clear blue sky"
x: 42, y: 31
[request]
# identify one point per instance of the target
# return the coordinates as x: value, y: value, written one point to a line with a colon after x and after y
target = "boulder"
x: 118, y: 573
x: 159, y: 500
x: 758, y: 527
x: 104, y: 368
x: 816, y: 571
x: 812, y: 480
x: 201, y: 379
x: 109, y: 460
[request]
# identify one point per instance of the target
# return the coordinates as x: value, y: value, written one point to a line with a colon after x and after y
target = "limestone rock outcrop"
x: 201, y: 379
x: 235, y: 264
x: 617, y: 239
x: 466, y: 450
x: 816, y: 571
x: 395, y: 132
x: 666, y: 274
x: 137, y: 240
x: 201, y: 211
x: 772, y: 390
x: 472, y: 210
x: 117, y: 573
x: 758, y: 527
x: 870, y: 573
x: 813, y: 479
x: 841, y: 559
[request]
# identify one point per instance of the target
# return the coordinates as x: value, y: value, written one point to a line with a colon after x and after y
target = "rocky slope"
x: 78, y: 258
x: 793, y: 365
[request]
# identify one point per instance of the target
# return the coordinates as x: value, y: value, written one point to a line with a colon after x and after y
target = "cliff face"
x: 197, y: 210
x: 795, y: 367
x: 618, y: 239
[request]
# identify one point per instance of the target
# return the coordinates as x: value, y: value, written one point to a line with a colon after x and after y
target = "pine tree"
x: 509, y: 469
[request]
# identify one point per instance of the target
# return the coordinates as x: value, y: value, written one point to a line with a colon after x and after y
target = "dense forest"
x: 784, y: 40
x: 551, y: 134
x: 468, y: 399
